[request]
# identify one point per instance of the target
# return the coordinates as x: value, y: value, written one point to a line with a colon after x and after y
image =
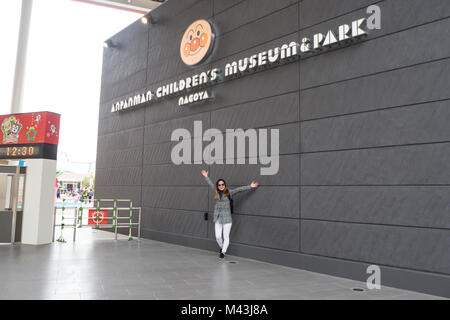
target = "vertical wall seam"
x: 143, y: 127
x: 300, y: 145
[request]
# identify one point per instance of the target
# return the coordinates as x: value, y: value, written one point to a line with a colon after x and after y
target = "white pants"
x: 226, y: 228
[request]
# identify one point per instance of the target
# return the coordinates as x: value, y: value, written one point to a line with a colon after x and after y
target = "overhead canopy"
x: 139, y: 6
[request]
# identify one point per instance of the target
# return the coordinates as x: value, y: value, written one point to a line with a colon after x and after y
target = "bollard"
x: 75, y: 220
x: 80, y: 218
x: 131, y: 220
x: 98, y: 213
x: 61, y: 237
x: 115, y: 221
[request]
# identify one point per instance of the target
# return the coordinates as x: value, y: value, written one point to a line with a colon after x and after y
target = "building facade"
x: 364, y: 135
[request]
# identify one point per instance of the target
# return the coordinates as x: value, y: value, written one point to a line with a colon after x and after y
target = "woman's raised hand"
x: 205, y: 173
x: 254, y: 184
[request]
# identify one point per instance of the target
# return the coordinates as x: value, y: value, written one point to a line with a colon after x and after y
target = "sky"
x: 63, y: 69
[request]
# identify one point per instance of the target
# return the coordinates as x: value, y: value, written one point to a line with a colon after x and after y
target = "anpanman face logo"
x: 197, y: 42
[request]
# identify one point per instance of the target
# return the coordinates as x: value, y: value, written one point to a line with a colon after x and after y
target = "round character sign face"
x: 197, y: 42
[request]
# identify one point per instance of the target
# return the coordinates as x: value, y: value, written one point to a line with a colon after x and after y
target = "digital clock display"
x: 27, y: 151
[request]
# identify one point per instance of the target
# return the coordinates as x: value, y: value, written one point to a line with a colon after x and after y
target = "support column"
x: 37, y: 225
x: 21, y: 56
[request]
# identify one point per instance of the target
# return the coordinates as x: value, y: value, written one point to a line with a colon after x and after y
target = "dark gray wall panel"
x: 158, y: 153
x: 119, y: 192
x: 262, y: 113
x: 187, y: 198
x: 402, y: 14
x: 125, y: 87
x: 174, y: 221
x: 413, y: 248
x: 162, y: 131
x: 316, y: 11
x: 122, y: 176
x: 406, y: 165
x: 114, y: 158
x: 121, y: 140
x: 407, y: 125
x: 171, y: 175
x: 426, y: 207
x: 220, y: 5
x: 259, y: 31
x: 125, y: 69
x: 172, y: 9
x: 248, y: 11
x: 121, y: 121
x: 353, y: 61
x: 129, y: 56
x: 124, y: 66
x: 396, y: 15
x: 418, y: 84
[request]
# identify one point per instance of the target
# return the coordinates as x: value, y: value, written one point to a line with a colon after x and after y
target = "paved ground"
x: 108, y: 269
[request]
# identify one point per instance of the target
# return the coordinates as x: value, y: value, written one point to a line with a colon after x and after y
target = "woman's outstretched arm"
x: 253, y: 185
x: 208, y: 180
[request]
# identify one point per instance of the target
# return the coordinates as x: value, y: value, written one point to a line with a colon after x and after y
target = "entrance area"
x: 12, y: 185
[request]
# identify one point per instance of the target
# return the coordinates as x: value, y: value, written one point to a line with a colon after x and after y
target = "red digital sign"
x: 30, y: 128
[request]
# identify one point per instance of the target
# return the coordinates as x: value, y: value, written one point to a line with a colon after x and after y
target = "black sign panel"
x: 29, y: 151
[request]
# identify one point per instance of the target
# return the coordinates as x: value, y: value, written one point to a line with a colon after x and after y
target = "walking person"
x: 222, y: 210
x: 90, y: 195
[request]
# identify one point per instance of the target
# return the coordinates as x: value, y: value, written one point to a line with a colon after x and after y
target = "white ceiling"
x: 142, y: 6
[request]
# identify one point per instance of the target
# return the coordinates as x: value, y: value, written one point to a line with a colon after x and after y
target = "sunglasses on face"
x: 221, y: 185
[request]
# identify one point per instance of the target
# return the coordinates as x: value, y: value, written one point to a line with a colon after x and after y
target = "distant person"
x: 222, y: 210
x: 90, y: 195
x: 58, y: 193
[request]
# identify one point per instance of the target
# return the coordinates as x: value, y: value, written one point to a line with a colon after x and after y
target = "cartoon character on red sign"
x: 34, y: 127
x: 11, y: 129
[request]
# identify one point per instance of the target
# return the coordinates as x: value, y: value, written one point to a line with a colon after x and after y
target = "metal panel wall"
x: 364, y: 139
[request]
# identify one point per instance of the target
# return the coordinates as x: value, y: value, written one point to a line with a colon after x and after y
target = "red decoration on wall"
x: 27, y: 128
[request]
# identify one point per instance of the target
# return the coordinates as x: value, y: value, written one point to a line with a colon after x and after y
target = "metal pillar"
x: 21, y: 56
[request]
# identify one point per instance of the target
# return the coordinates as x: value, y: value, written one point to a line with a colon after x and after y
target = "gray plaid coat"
x: 222, y: 210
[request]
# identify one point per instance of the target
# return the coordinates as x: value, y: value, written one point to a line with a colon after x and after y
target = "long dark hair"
x: 225, y: 191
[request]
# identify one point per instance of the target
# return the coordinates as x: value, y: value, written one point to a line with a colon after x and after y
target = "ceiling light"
x: 109, y: 44
x: 144, y: 20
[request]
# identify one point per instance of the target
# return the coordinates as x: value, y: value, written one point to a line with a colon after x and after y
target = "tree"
x: 85, y: 182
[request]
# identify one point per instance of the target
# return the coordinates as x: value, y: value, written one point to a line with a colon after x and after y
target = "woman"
x: 222, y: 210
